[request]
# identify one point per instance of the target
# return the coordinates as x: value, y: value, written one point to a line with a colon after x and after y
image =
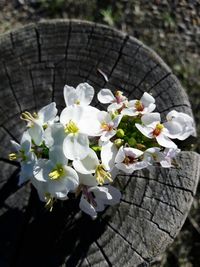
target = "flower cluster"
x: 83, y: 149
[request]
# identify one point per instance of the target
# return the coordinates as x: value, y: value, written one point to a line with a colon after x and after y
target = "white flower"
x: 154, y: 154
x: 128, y: 160
x: 79, y: 123
x: 142, y: 106
x: 170, y: 154
x: 38, y: 121
x: 108, y: 124
x: 186, y: 122
x: 82, y: 95
x: 54, y: 135
x: 26, y: 157
x: 53, y: 178
x: 162, y: 132
x: 117, y: 101
x: 91, y: 165
x: 94, y: 199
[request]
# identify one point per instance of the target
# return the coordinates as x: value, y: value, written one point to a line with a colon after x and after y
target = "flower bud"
x: 119, y: 142
x: 120, y: 133
x: 132, y: 141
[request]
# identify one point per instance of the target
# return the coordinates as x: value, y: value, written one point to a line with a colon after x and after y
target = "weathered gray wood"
x: 35, y: 63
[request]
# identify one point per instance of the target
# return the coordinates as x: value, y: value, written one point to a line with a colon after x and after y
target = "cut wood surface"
x: 36, y: 62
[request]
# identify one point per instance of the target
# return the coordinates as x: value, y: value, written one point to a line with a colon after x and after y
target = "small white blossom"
x: 128, y: 160
x: 162, y: 132
x: 95, y: 199
x: 117, y: 101
x: 26, y: 157
x: 91, y: 165
x: 186, y: 122
x: 82, y: 95
x: 79, y: 123
x: 38, y: 121
x: 53, y: 177
x: 145, y: 105
x: 108, y: 124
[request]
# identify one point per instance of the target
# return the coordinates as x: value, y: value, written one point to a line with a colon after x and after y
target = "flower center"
x: 77, y: 102
x: 57, y: 172
x: 158, y: 129
x: 139, y: 106
x: 106, y: 127
x: 71, y: 127
x: 89, y: 196
x: 129, y: 160
x: 119, y: 97
x: 102, y: 174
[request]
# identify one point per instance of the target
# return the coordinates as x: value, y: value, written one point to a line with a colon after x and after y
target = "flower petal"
x: 72, y: 113
x: 40, y: 171
x: 146, y: 131
x: 164, y: 141
x: 54, y: 135
x: 105, y: 96
x: 76, y: 146
x: 57, y: 156
x: 147, y: 99
x: 125, y: 168
x: 108, y: 154
x: 69, y: 95
x: 88, y: 164
x: 86, y: 207
x: 174, y: 129
x: 116, y: 196
x: 120, y: 155
x: 100, y: 192
x: 87, y: 179
x: 132, y: 152
x: 36, y: 133
x: 16, y: 146
x: 150, y: 118
x: 48, y: 113
x: 26, y: 142
x: 85, y: 93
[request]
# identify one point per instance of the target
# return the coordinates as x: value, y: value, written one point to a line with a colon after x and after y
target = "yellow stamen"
x: 158, y: 129
x: 102, y: 174
x: 118, y: 93
x: 71, y: 127
x: 57, y: 173
x: 77, y: 102
x: 26, y: 116
x: 12, y: 156
x: 139, y: 106
x: 49, y: 202
x: 106, y: 127
x: 45, y: 126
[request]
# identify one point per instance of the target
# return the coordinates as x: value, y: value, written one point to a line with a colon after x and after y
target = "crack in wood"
x: 118, y: 58
x: 143, y: 79
x: 159, y: 81
x: 103, y: 253
x: 136, y: 205
x: 128, y: 242
x: 170, y: 185
x: 38, y: 44
x: 11, y: 86
x: 165, y: 203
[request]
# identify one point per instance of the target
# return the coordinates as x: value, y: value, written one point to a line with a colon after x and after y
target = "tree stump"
x: 36, y: 62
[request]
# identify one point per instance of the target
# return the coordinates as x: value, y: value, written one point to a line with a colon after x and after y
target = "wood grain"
x: 36, y: 62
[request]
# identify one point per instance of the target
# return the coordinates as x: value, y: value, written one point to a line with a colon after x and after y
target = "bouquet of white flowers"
x: 83, y: 149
